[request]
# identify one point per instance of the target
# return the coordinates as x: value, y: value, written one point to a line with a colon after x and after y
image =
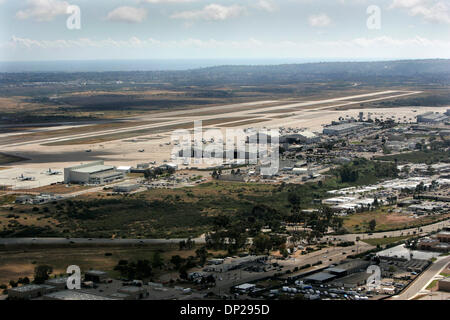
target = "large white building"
x: 343, y: 128
x: 432, y: 117
x: 92, y: 173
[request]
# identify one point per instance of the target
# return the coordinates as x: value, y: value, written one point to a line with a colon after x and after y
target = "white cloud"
x: 319, y: 20
x: 430, y: 10
x: 168, y: 1
x: 382, y: 42
x: 127, y: 14
x: 43, y: 10
x: 211, y: 12
x: 266, y: 5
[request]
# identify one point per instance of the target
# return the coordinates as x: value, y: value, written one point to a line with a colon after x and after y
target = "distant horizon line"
x: 170, y: 64
x: 216, y: 59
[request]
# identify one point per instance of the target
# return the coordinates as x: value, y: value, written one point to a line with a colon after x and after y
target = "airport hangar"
x: 92, y: 173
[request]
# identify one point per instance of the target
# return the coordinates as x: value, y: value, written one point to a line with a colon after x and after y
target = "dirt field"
x: 15, y: 264
x: 385, y: 221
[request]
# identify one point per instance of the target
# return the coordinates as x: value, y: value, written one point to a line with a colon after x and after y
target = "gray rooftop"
x: 57, y: 280
x: 344, y: 126
x: 27, y: 288
x: 96, y: 272
x: 75, y: 295
x: 93, y: 169
x: 321, y: 276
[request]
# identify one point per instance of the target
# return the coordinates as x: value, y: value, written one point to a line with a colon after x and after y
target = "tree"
x: 372, y: 225
x: 202, y: 255
x: 157, y: 260
x: 262, y: 243
x: 177, y: 261
x: 42, y: 273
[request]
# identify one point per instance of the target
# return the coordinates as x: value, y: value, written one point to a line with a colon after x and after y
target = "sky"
x: 46, y: 30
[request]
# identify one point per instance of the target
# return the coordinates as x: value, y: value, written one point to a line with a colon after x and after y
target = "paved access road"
x: 85, y: 241
x: 397, y: 233
x: 64, y: 241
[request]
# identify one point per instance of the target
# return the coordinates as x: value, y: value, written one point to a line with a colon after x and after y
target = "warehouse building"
x: 96, y: 276
x: 352, y: 281
x: 59, y: 283
x: 343, y: 129
x: 443, y: 236
x: 306, y: 137
x: 126, y: 188
x: 349, y: 267
x: 29, y: 291
x: 320, y: 277
x: 431, y: 117
x: 92, y: 173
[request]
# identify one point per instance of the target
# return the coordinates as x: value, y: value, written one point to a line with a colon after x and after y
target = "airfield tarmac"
x: 60, y: 151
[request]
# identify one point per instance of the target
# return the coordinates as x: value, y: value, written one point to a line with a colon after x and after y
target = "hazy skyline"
x: 35, y: 30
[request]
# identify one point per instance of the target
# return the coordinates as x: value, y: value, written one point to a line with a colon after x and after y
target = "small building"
x: 233, y: 177
x: 444, y: 284
x: 95, y: 276
x: 59, y: 283
x: 443, y: 236
x: 124, y: 169
x: 245, y: 287
x: 126, y: 188
x: 134, y: 292
x: 24, y: 199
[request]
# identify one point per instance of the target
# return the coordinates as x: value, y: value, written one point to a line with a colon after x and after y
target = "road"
x: 85, y: 241
x: 64, y: 241
x: 397, y: 233
x: 423, y: 280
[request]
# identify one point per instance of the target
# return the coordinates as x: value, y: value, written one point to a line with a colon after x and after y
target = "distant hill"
x: 433, y: 70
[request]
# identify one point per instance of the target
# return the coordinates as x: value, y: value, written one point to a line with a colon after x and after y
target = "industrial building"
x: 320, y: 277
x: 431, y: 117
x: 92, y: 173
x: 96, y: 276
x: 306, y: 137
x: 59, y: 283
x: 343, y: 128
x: 443, y: 236
x: 352, y: 281
x: 126, y: 188
x: 348, y: 267
x: 29, y: 291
